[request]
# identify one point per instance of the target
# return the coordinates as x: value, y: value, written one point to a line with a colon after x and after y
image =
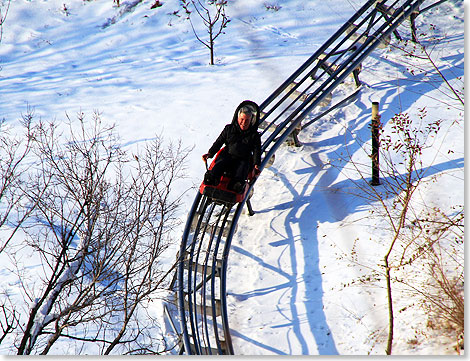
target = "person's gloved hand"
x: 205, y: 157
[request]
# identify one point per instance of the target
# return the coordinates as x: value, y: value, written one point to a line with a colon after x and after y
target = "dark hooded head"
x: 250, y: 108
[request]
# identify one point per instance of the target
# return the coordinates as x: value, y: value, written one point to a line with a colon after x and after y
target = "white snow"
x: 292, y: 286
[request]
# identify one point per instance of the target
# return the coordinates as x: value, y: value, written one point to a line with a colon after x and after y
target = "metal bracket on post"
x: 293, y: 138
x: 375, y: 144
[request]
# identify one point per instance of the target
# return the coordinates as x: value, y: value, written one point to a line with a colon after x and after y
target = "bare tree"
x: 415, y: 235
x: 212, y: 15
x: 102, y: 227
x: 410, y: 147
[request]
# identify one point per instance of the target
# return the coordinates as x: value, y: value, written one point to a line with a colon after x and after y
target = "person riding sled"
x: 242, y: 150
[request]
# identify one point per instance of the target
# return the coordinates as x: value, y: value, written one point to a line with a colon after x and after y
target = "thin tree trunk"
x: 211, y: 45
x: 390, y: 306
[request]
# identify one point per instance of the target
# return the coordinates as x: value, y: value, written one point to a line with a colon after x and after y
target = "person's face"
x: 244, y: 121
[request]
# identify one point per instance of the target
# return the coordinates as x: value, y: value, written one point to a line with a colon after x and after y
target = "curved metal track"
x: 205, y: 245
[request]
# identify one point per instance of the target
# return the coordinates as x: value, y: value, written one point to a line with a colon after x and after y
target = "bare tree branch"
x: 213, y: 17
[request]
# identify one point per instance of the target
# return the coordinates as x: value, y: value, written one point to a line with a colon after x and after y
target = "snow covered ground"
x: 292, y: 286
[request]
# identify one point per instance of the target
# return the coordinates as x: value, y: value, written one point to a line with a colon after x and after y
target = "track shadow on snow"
x: 319, y: 200
x: 322, y: 200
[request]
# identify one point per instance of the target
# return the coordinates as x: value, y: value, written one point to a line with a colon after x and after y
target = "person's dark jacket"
x: 240, y: 144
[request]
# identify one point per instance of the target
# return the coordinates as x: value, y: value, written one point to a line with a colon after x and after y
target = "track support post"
x: 413, y: 16
x: 250, y: 209
x: 376, y: 125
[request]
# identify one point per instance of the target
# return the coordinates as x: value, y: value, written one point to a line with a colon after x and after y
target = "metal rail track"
x: 201, y: 278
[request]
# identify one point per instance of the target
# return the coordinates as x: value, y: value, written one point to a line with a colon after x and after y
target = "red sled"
x: 220, y: 192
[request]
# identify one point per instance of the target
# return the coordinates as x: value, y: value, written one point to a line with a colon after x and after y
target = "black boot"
x: 209, y: 179
x: 237, y: 186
